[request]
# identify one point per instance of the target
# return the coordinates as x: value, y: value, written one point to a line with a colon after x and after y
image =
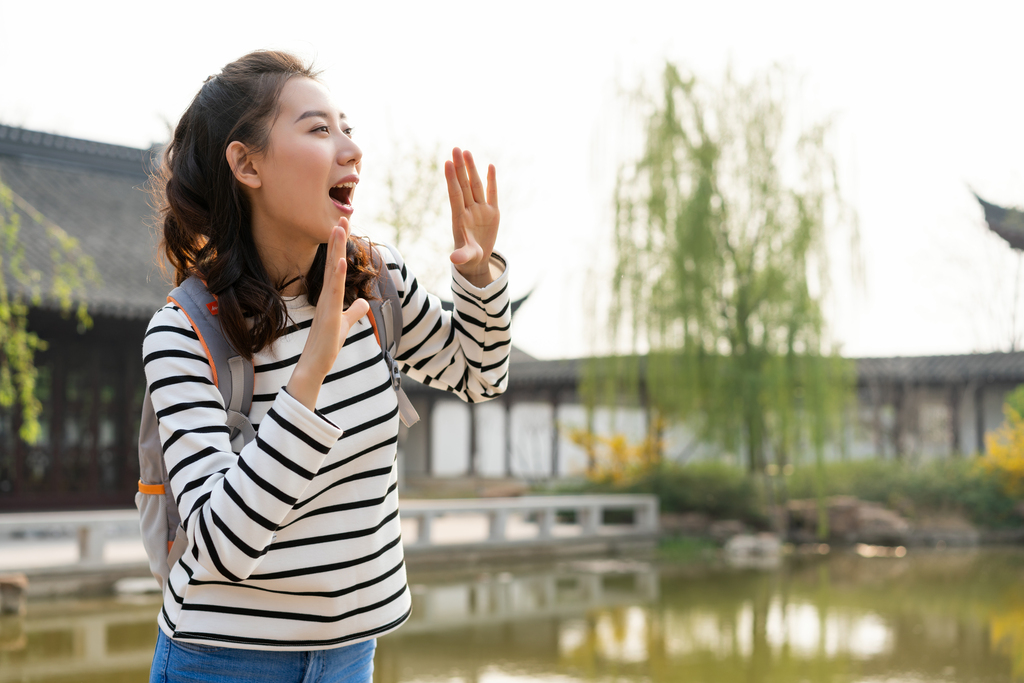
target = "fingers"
x: 357, y: 310
x: 458, y: 156
x: 461, y: 255
x: 475, y: 184
x: 454, y: 189
x: 469, y: 251
x: 336, y: 264
x: 492, y: 186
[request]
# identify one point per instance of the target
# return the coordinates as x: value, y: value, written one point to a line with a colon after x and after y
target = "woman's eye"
x: 325, y: 129
x: 349, y: 131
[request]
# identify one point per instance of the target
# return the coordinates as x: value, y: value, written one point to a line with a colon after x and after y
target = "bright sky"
x: 926, y: 100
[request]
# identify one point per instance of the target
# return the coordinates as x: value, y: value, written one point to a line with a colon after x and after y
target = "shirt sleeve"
x: 466, y: 351
x: 230, y: 505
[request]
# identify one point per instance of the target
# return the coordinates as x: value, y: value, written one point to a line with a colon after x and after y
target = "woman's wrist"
x: 304, y: 387
x: 483, y: 275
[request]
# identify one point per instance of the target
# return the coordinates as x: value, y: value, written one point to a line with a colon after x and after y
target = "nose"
x: 348, y: 151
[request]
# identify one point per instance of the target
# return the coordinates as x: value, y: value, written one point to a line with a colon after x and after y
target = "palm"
x: 475, y: 213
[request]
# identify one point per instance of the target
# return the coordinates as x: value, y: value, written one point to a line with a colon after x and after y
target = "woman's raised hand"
x: 474, y: 216
x: 331, y: 323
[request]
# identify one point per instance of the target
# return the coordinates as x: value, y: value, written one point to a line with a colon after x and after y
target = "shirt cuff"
x: 312, y: 422
x: 488, y: 291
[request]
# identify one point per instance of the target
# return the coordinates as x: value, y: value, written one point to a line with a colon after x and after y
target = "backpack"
x: 159, y: 519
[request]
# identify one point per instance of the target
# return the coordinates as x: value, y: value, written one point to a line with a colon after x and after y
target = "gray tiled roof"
x: 545, y: 375
x: 96, y: 193
x: 1007, y: 223
x: 66, y: 152
x: 981, y: 367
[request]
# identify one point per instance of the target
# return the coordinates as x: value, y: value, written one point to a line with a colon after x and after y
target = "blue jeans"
x: 175, y: 662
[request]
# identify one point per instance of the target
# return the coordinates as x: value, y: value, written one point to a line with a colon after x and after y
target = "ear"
x: 242, y: 165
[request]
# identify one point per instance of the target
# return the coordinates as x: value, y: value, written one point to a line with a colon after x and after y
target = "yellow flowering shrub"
x: 1005, y: 457
x: 1006, y: 635
x: 615, y: 459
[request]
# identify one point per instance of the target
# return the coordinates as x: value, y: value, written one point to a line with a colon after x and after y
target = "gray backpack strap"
x: 232, y: 373
x: 389, y: 293
x: 159, y: 519
x: 387, y: 320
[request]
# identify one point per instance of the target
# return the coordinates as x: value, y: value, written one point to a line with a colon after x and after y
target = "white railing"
x: 539, y: 518
x: 90, y: 528
x: 493, y: 522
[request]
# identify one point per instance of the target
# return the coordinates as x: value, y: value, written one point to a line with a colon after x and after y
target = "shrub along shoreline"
x: 940, y: 487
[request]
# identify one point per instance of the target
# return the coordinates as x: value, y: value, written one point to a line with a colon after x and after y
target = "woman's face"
x: 309, y: 171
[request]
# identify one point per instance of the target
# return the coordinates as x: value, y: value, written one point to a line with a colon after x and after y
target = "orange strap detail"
x: 169, y: 544
x: 206, y: 349
x: 152, y: 489
x: 373, y: 324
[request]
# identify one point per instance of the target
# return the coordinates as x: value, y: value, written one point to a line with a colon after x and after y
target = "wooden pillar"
x: 508, y: 435
x: 955, y: 394
x: 899, y: 429
x: 876, y: 418
x: 472, y: 468
x: 55, y: 477
x: 979, y: 417
x: 428, y: 434
x: 93, y: 420
x: 20, y: 452
x: 127, y: 411
x: 554, y: 435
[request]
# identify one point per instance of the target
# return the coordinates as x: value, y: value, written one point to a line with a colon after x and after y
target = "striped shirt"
x: 295, y: 543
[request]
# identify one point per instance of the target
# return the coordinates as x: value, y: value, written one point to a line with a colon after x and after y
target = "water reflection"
x: 925, y: 617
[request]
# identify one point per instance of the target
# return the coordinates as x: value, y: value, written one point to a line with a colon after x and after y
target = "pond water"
x: 929, y: 616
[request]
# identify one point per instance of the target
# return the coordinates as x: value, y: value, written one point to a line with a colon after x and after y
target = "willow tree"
x: 721, y: 268
x: 412, y: 209
x: 23, y: 286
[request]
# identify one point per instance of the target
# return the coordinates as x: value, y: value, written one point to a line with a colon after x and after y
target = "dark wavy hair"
x: 207, y: 218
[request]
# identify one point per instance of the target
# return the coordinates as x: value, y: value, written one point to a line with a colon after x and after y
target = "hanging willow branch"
x: 21, y: 287
x: 721, y: 268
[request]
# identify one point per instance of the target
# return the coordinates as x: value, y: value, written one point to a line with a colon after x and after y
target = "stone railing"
x: 446, y: 525
x: 538, y: 519
x: 90, y: 528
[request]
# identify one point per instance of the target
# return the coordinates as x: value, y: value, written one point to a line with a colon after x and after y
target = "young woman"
x: 294, y: 562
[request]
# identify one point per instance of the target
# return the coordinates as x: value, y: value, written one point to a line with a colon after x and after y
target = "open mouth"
x: 342, y: 193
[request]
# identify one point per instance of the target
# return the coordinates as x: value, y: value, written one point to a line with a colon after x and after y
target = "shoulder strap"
x: 387, y: 308
x: 232, y: 373
x: 386, y: 319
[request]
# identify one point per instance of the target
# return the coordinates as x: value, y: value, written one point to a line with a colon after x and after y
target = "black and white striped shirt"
x: 296, y: 542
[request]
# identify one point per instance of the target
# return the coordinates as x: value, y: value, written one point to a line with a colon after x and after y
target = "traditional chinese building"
x: 91, y: 381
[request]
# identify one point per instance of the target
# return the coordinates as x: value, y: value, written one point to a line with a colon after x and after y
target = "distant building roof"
x: 544, y: 376
x: 96, y: 193
x: 975, y: 367
x: 67, y: 151
x: 1007, y: 223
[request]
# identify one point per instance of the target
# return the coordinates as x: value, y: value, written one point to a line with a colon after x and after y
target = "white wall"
x: 531, y: 440
x: 449, y: 438
x: 532, y: 424
x: 490, y: 438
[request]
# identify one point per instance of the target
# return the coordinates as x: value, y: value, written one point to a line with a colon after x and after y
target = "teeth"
x: 352, y: 184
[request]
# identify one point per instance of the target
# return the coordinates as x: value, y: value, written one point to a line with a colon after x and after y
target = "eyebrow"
x: 321, y: 114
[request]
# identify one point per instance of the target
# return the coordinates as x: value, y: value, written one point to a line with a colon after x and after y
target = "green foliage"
x: 720, y: 226
x: 686, y: 549
x: 413, y: 208
x: 728, y: 492
x: 716, y: 489
x: 937, y: 486
x: 1015, y: 400
x: 20, y: 287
